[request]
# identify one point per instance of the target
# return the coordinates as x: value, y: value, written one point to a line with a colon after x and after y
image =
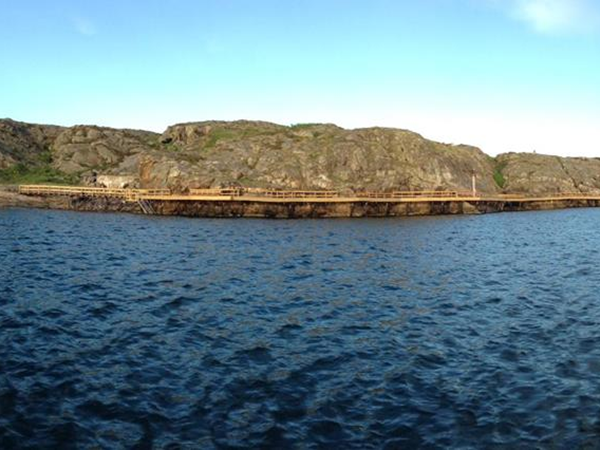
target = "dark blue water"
x: 118, y: 331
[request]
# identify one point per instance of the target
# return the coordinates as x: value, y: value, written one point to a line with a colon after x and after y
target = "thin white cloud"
x: 84, y: 26
x: 555, y: 16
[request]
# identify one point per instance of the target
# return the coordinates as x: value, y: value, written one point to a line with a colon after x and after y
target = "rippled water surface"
x: 124, y: 331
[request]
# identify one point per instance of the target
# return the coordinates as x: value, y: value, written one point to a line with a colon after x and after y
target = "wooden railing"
x: 574, y: 195
x: 415, y: 194
x: 128, y: 194
x: 250, y: 193
x: 217, y: 192
x: 570, y: 195
x: 258, y: 192
x: 276, y: 193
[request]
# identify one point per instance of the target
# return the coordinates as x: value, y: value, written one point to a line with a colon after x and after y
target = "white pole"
x: 474, y: 184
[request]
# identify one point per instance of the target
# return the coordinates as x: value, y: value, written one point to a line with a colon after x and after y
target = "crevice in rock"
x: 564, y: 168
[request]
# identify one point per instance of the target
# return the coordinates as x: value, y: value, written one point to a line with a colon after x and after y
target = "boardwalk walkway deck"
x: 282, y: 196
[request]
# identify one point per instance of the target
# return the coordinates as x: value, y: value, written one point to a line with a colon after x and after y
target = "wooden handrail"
x: 90, y: 191
x: 250, y: 193
x: 258, y: 192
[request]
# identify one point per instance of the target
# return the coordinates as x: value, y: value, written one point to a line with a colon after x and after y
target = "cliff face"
x: 83, y: 148
x: 314, y: 157
x: 44, y: 153
x: 542, y: 174
x: 261, y: 154
x: 24, y: 143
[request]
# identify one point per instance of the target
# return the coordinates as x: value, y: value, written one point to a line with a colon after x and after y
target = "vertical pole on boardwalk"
x: 474, y: 184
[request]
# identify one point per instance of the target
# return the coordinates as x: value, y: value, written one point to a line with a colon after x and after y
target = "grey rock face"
x: 308, y: 156
x: 24, y: 143
x: 541, y: 174
x: 116, y: 181
x: 261, y: 154
x: 83, y: 148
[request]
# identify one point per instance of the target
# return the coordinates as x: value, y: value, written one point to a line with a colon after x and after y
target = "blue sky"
x: 505, y: 75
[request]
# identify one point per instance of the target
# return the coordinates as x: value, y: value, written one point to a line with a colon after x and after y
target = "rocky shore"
x: 10, y: 198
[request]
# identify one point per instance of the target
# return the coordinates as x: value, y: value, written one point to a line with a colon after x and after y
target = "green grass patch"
x: 220, y: 134
x: 38, y: 174
x: 499, y: 176
x: 303, y: 126
x: 171, y: 147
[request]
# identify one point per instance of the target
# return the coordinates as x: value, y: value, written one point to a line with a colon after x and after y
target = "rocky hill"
x: 539, y: 174
x: 261, y: 154
x: 310, y: 157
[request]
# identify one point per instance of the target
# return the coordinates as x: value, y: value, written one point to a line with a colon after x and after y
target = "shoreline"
x: 10, y: 198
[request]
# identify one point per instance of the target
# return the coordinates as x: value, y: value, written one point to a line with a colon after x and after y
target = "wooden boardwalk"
x: 145, y: 197
x: 132, y: 195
